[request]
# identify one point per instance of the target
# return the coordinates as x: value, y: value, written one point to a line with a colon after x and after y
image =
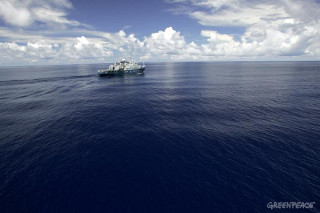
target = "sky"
x: 104, y: 31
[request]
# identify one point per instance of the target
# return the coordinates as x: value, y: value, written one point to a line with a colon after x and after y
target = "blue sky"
x: 69, y: 31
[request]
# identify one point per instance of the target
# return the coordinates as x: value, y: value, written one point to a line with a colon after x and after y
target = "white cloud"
x: 82, y: 41
x: 76, y: 50
x: 166, y: 45
x: 283, y: 38
x: 239, y: 16
x: 169, y: 44
x: 14, y: 14
x: 25, y: 13
x: 272, y: 28
x: 29, y: 47
x: 247, y: 12
x: 219, y: 44
x: 165, y: 42
x: 49, y: 16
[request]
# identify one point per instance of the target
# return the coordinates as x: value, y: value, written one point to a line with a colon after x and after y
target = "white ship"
x: 123, y: 67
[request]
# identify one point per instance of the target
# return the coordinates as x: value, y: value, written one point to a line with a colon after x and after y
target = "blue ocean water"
x: 183, y: 137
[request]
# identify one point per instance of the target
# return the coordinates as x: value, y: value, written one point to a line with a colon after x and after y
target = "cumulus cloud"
x: 25, y: 13
x: 258, y: 41
x: 282, y: 39
x: 169, y: 44
x: 164, y: 45
x: 74, y: 50
x: 272, y: 28
x: 29, y: 47
x: 82, y: 41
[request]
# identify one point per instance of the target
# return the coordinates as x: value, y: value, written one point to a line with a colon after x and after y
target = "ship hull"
x: 110, y: 73
x: 120, y: 72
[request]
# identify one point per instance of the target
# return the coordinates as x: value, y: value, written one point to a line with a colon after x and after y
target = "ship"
x: 123, y: 67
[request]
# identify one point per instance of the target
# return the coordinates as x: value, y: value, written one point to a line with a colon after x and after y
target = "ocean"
x: 183, y: 137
